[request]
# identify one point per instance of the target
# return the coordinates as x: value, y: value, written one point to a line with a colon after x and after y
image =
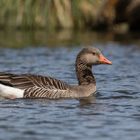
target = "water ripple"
x: 113, y: 113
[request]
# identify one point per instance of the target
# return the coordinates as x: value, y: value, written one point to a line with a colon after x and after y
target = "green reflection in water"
x: 18, y: 39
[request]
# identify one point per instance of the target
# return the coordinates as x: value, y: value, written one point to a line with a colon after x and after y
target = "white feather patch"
x: 10, y: 92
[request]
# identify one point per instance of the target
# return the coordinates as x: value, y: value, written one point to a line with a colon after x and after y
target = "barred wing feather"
x: 26, y: 81
x: 51, y: 93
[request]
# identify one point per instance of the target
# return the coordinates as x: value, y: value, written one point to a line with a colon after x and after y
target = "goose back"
x: 25, y: 81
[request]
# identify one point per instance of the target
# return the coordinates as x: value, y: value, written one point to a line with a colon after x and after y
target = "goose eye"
x: 94, y: 53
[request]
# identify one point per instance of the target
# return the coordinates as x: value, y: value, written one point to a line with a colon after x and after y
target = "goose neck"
x: 84, y: 73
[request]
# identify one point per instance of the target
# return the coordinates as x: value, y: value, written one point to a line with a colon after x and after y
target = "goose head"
x: 92, y: 56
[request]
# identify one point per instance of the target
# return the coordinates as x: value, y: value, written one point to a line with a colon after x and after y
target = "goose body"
x: 36, y: 86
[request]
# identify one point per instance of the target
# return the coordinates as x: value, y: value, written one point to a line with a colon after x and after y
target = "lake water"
x: 114, y: 113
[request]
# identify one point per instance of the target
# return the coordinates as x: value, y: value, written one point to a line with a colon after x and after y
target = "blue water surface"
x: 114, y: 113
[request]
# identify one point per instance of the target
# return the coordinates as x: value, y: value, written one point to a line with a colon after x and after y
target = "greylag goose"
x: 36, y: 86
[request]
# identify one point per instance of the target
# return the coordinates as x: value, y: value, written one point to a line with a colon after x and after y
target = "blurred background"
x: 58, y: 22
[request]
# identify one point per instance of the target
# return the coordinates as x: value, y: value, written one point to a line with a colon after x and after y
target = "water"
x: 114, y: 113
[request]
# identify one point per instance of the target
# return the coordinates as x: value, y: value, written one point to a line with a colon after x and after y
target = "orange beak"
x: 104, y: 60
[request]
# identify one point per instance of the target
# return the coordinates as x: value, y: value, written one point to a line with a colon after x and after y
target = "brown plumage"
x: 36, y: 86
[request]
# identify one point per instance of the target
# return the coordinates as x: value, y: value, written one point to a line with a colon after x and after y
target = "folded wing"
x: 26, y: 81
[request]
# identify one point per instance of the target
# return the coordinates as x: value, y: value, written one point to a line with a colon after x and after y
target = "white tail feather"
x: 10, y: 92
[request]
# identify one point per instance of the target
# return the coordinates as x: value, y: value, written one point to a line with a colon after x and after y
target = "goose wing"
x: 27, y: 81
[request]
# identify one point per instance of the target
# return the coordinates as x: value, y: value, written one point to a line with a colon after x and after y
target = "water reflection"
x: 19, y: 39
x: 87, y: 101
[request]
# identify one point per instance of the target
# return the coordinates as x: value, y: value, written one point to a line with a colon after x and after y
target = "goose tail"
x: 10, y: 92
